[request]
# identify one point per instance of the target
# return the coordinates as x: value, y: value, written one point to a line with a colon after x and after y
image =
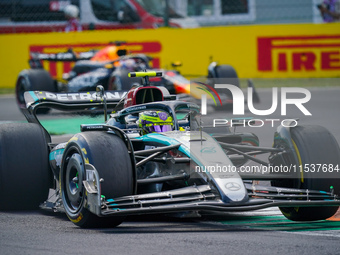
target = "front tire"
x: 313, y: 145
x: 109, y: 155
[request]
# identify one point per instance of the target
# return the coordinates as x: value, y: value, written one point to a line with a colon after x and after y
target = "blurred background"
x: 19, y: 15
x: 261, y: 39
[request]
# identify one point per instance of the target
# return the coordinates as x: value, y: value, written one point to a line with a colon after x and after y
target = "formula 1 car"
x: 152, y: 156
x: 108, y: 67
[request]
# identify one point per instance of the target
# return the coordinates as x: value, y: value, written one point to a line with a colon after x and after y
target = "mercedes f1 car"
x: 108, y: 67
x: 152, y: 156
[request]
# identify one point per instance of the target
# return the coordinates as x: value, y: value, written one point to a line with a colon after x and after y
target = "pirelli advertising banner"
x: 255, y: 51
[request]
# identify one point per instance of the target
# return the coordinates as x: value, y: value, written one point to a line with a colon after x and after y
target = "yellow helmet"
x: 155, y: 121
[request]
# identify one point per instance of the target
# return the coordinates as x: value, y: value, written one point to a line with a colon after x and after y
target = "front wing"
x: 204, y: 198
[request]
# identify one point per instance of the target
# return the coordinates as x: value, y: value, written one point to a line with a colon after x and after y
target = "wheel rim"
x: 20, y: 90
x: 73, y: 190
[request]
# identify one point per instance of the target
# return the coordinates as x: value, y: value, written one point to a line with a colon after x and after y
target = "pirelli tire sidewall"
x: 314, y: 145
x: 75, y: 146
x: 108, y: 153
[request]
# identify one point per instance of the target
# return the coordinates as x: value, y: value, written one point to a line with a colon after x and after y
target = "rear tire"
x: 224, y: 74
x: 120, y: 81
x: 315, y: 145
x: 227, y: 74
x: 25, y: 176
x: 31, y: 80
x: 109, y: 155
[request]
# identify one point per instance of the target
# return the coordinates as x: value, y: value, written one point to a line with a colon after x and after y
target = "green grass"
x: 4, y: 91
x: 69, y: 125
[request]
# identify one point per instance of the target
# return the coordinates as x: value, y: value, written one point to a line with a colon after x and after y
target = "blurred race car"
x: 108, y: 67
x: 152, y: 156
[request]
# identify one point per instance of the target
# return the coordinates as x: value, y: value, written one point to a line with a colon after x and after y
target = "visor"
x: 160, y: 129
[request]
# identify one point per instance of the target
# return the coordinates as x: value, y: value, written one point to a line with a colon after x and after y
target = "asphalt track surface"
x: 261, y: 232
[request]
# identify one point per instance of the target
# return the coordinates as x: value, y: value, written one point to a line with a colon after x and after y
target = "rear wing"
x: 80, y: 101
x: 37, y: 57
x: 63, y: 56
x: 72, y: 101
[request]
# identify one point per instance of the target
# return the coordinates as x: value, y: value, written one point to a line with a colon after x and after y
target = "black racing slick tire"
x: 314, y: 145
x: 31, y: 80
x: 120, y: 81
x: 223, y: 74
x: 226, y: 73
x: 25, y: 175
x: 110, y: 157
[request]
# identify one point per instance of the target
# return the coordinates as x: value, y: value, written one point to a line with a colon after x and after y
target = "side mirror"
x: 101, y: 94
x: 100, y: 91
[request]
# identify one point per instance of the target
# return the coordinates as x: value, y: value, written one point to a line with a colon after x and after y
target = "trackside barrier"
x: 255, y: 51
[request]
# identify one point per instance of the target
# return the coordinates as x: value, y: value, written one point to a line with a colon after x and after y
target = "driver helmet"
x: 71, y: 11
x: 155, y: 121
x: 111, y: 52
